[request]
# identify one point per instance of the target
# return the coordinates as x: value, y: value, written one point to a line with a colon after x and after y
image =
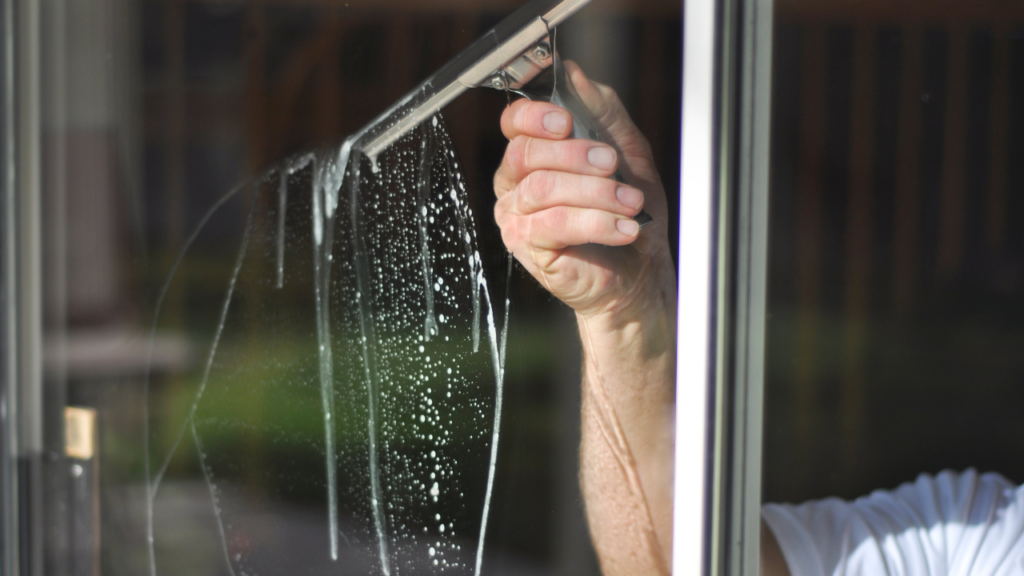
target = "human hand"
x: 564, y: 217
x: 569, y: 223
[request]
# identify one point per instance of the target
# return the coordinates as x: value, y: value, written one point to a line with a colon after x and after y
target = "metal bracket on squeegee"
x: 516, y: 58
x: 479, y: 74
x: 523, y: 69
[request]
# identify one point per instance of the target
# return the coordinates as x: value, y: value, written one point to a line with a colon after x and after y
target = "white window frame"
x: 722, y: 285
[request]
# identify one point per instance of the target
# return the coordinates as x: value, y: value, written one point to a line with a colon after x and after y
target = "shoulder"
x: 950, y: 523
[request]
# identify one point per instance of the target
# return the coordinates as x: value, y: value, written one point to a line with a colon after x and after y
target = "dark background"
x: 896, y: 290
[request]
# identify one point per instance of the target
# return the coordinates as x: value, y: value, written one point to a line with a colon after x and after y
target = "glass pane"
x: 261, y: 358
x: 895, y: 275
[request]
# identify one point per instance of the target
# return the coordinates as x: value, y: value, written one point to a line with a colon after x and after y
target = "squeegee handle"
x: 554, y: 86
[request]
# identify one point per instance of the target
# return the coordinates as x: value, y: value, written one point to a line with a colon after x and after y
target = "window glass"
x: 252, y: 366
x: 896, y: 268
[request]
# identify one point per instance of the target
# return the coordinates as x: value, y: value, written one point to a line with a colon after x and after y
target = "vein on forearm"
x: 614, y: 436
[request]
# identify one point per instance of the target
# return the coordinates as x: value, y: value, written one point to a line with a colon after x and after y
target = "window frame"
x: 8, y: 304
x: 722, y: 296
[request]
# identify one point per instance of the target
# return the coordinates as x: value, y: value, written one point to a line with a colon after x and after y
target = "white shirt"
x: 947, y: 525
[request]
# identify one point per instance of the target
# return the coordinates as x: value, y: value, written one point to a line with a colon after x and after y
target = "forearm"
x: 570, y: 223
x: 628, y: 408
x: 772, y: 561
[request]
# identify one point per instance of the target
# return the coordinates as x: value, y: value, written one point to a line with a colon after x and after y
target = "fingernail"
x: 601, y: 157
x: 628, y: 227
x: 554, y: 122
x: 629, y: 197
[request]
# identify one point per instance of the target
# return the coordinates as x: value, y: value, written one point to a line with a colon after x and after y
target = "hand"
x: 570, y: 225
x: 563, y: 216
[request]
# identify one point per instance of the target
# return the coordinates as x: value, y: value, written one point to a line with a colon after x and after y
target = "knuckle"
x: 507, y: 117
x: 533, y: 118
x: 552, y: 220
x: 612, y: 96
x: 502, y: 181
x: 498, y: 182
x: 534, y: 223
x: 511, y: 232
x: 608, y: 93
x: 604, y: 189
x: 589, y: 225
x: 644, y: 144
x: 573, y: 153
x: 507, y: 236
x: 531, y: 112
x: 530, y: 154
x: 508, y: 239
x: 605, y: 116
x: 580, y: 224
x: 515, y: 113
x: 510, y: 119
x: 501, y: 212
x: 535, y: 191
x: 516, y: 152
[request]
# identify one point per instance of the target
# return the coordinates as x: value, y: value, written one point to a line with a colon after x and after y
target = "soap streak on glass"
x: 497, y: 351
x: 472, y: 255
x: 497, y: 347
x: 286, y: 171
x: 331, y: 170
x: 290, y: 168
x: 208, y: 478
x: 422, y: 194
x: 153, y: 483
x: 327, y: 178
x: 213, y: 346
x: 368, y: 340
x: 282, y: 207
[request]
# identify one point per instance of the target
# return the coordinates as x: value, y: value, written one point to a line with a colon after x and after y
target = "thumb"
x: 606, y: 110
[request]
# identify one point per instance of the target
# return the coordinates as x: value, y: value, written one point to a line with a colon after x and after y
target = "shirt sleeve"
x: 951, y: 524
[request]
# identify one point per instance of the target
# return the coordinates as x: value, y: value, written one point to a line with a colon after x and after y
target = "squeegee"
x: 516, y: 55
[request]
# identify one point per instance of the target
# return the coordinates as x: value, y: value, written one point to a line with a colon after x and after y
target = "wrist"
x: 630, y: 351
x: 639, y: 325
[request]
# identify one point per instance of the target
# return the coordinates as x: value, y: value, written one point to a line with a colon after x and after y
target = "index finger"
x: 536, y: 119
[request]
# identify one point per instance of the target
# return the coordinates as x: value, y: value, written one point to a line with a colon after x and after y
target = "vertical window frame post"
x: 722, y: 285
